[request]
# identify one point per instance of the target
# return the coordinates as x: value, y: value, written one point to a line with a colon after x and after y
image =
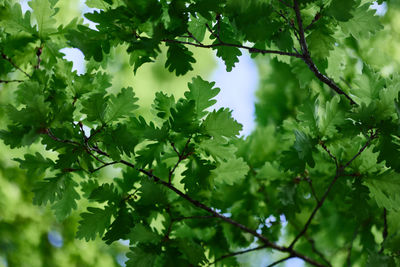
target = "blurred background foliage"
x: 31, y: 236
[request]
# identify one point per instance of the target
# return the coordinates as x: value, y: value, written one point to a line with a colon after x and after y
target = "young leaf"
x: 202, y: 93
x: 230, y: 172
x: 383, y: 188
x: 219, y: 124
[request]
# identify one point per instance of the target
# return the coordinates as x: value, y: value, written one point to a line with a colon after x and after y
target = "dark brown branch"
x: 286, y: 4
x: 104, y: 165
x: 279, y: 261
x: 200, y: 205
x: 348, y: 259
x: 181, y: 156
x: 11, y: 81
x: 339, y: 173
x: 385, y: 230
x: 5, y: 57
x: 315, y: 19
x: 310, y: 63
x: 237, y: 253
x: 38, y: 54
x: 51, y: 135
x: 250, y: 49
x: 309, y: 181
x: 319, y: 205
x: 316, y: 251
x: 371, y: 137
x: 194, y: 217
x: 329, y: 153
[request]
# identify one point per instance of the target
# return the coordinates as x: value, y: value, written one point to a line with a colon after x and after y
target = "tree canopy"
x: 318, y: 179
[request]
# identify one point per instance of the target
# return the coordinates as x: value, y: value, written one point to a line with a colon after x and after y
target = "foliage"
x: 188, y: 190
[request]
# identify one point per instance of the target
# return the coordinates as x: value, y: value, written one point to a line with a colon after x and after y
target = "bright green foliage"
x: 230, y: 172
x: 318, y: 179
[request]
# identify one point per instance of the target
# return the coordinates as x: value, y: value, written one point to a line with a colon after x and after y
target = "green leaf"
x: 341, y: 10
x: 92, y: 43
x: 320, y: 42
x: 308, y: 113
x: 192, y: 251
x: 103, y: 193
x: 163, y: 104
x: 219, y: 124
x: 50, y: 189
x: 94, y: 222
x: 179, y: 59
x: 183, y: 117
x: 217, y: 149
x: 36, y: 164
x: 13, y: 20
x: 197, y: 27
x: 230, y: 172
x: 44, y: 12
x: 120, y: 227
x: 383, y: 189
x: 389, y: 151
x: 363, y: 24
x: 95, y: 107
x: 67, y: 203
x: 122, y: 105
x: 143, y: 234
x: 202, y: 93
x: 140, y: 258
x: 304, y: 146
x: 332, y: 117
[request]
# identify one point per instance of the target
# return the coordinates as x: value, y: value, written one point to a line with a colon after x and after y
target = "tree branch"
x: 329, y: 153
x: 279, y: 261
x: 339, y: 173
x: 5, y: 57
x: 250, y: 49
x: 237, y: 253
x: 11, y: 81
x: 200, y: 205
x: 385, y: 230
x: 310, y: 63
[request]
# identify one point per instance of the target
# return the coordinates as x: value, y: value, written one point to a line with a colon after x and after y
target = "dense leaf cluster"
x: 188, y: 190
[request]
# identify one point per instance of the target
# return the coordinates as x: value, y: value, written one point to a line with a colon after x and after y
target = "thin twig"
x: 329, y: 153
x: 385, y: 230
x: 339, y: 173
x: 265, y: 240
x: 11, y: 81
x: 315, y: 19
x: 348, y: 259
x: 279, y: 261
x: 286, y: 4
x: 319, y: 205
x: 104, y: 165
x: 38, y: 54
x: 310, y: 63
x: 194, y: 38
x: 237, y: 253
x: 5, y: 57
x: 309, y: 181
x: 194, y: 217
x: 250, y: 49
x: 181, y: 156
x: 371, y: 137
